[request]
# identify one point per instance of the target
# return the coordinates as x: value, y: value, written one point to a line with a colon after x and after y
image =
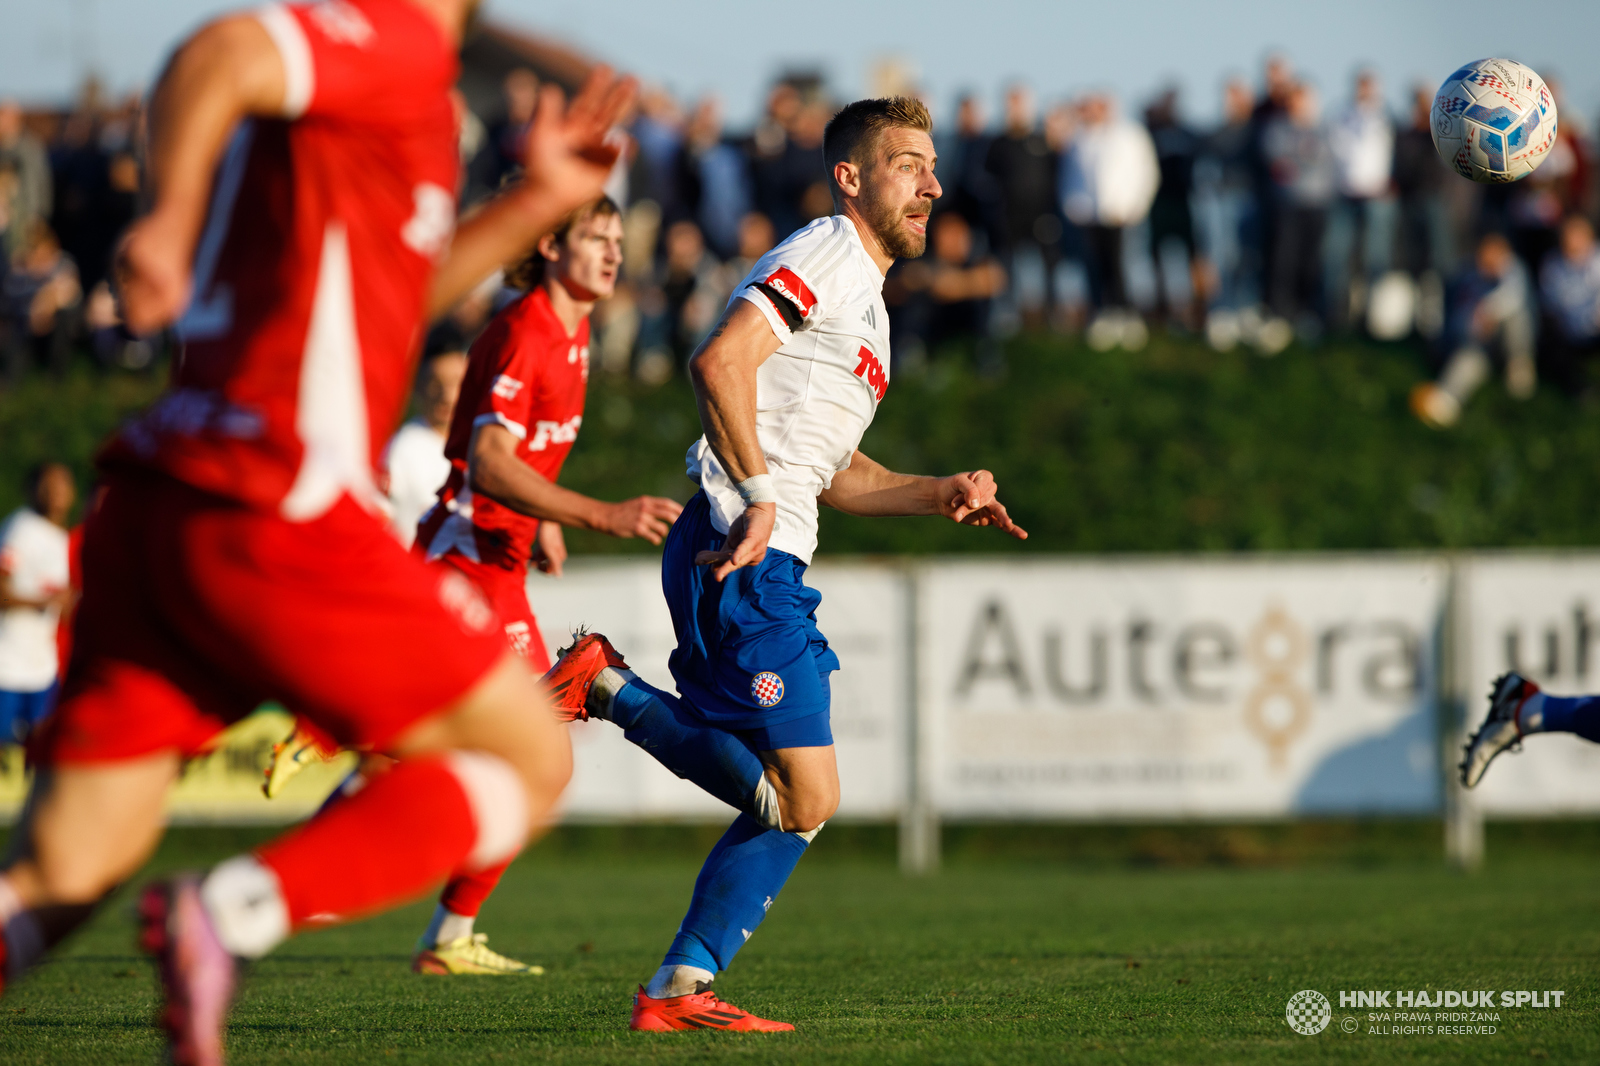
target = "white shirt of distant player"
x: 417, y: 468
x: 33, y: 556
x: 818, y: 392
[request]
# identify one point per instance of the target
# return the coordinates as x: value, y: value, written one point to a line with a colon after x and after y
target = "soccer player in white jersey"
x: 786, y: 383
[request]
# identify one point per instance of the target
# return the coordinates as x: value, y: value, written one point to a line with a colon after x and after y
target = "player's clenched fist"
x: 971, y: 500
x: 152, y: 275
x: 570, y: 148
x: 643, y: 516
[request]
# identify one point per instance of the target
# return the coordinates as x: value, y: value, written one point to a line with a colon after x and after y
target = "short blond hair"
x: 857, y: 125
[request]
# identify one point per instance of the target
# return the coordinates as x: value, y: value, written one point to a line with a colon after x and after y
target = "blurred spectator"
x: 786, y: 155
x: 1108, y: 181
x: 1534, y: 207
x: 1026, y: 170
x: 25, y: 192
x: 502, y: 155
x: 1300, y: 162
x: 716, y: 179
x: 81, y: 181
x: 1273, y: 104
x: 657, y: 169
x: 1225, y: 177
x: 1426, y: 245
x: 944, y: 296
x: 39, y: 295
x: 969, y: 188
x: 414, y: 461
x: 1489, y: 317
x: 679, y: 305
x: 1361, y: 225
x: 1171, y: 214
x: 35, y: 587
x: 1569, y: 284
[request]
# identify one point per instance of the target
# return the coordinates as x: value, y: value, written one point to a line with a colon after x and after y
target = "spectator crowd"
x: 1295, y: 216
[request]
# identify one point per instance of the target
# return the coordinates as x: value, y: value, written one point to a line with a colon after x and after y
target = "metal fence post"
x: 919, y: 815
x: 1463, y: 818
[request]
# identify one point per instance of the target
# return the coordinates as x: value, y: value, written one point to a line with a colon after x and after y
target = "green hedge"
x: 1177, y: 448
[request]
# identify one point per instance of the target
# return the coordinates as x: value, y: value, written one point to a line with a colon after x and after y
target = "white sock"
x: 446, y: 925
x: 1531, y: 720
x: 672, y: 981
x: 607, y: 683
x: 245, y: 903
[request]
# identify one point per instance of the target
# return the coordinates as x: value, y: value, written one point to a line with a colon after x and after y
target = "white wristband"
x: 758, y: 489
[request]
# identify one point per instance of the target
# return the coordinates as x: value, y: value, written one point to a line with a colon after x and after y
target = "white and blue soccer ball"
x: 1494, y: 121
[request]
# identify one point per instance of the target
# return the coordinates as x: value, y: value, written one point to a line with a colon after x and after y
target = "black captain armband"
x: 783, y: 303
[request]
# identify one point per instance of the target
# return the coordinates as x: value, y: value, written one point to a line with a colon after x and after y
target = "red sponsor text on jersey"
x: 871, y: 371
x: 787, y: 283
x: 525, y: 374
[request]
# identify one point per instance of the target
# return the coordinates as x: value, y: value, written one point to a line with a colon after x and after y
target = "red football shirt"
x: 312, y: 269
x: 524, y: 373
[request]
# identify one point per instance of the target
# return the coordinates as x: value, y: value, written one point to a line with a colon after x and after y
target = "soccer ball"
x: 1494, y: 121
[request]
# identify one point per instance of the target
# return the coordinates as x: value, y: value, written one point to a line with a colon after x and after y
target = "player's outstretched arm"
x: 570, y: 153
x: 496, y: 472
x: 227, y: 71
x: 723, y: 372
x: 870, y: 489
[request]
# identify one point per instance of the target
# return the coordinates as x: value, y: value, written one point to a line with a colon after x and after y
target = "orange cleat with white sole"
x: 701, y: 1010
x: 571, y: 679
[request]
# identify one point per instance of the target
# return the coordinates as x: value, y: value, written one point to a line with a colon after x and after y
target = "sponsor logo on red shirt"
x: 871, y: 371
x: 787, y: 284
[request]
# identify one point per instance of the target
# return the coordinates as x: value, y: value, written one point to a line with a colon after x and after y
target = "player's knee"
x: 502, y: 809
x: 805, y: 813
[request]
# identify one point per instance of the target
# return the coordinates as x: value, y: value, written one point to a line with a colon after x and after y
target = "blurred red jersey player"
x: 516, y: 420
x: 302, y: 166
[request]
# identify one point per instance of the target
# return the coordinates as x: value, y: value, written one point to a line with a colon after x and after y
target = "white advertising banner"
x: 1538, y: 615
x: 1192, y: 688
x: 863, y: 615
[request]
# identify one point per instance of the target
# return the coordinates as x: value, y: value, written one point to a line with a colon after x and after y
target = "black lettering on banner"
x: 1140, y: 634
x: 1202, y: 646
x: 993, y: 625
x: 1582, y: 633
x: 1396, y: 672
x: 1327, y: 644
x: 1055, y: 673
x: 1552, y: 654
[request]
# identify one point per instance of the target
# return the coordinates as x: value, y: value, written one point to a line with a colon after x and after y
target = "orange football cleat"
x: 701, y: 1010
x: 572, y: 677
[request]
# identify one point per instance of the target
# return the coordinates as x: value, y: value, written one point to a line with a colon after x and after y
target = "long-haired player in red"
x: 303, y: 166
x: 519, y: 412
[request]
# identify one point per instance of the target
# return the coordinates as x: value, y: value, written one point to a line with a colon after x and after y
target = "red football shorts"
x: 197, y: 609
x: 507, y: 592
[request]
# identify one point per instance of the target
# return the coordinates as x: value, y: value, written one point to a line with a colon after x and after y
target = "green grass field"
x: 1163, y: 946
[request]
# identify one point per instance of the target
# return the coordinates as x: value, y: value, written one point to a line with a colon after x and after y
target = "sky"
x: 733, y: 48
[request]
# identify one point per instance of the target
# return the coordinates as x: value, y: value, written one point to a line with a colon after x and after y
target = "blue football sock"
x: 742, y: 876
x: 714, y: 759
x: 1572, y: 714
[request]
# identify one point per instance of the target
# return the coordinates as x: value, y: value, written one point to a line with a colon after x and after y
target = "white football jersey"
x: 417, y: 467
x: 817, y: 394
x: 33, y: 557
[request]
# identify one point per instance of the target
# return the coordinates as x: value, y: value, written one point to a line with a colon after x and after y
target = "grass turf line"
x: 993, y: 960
